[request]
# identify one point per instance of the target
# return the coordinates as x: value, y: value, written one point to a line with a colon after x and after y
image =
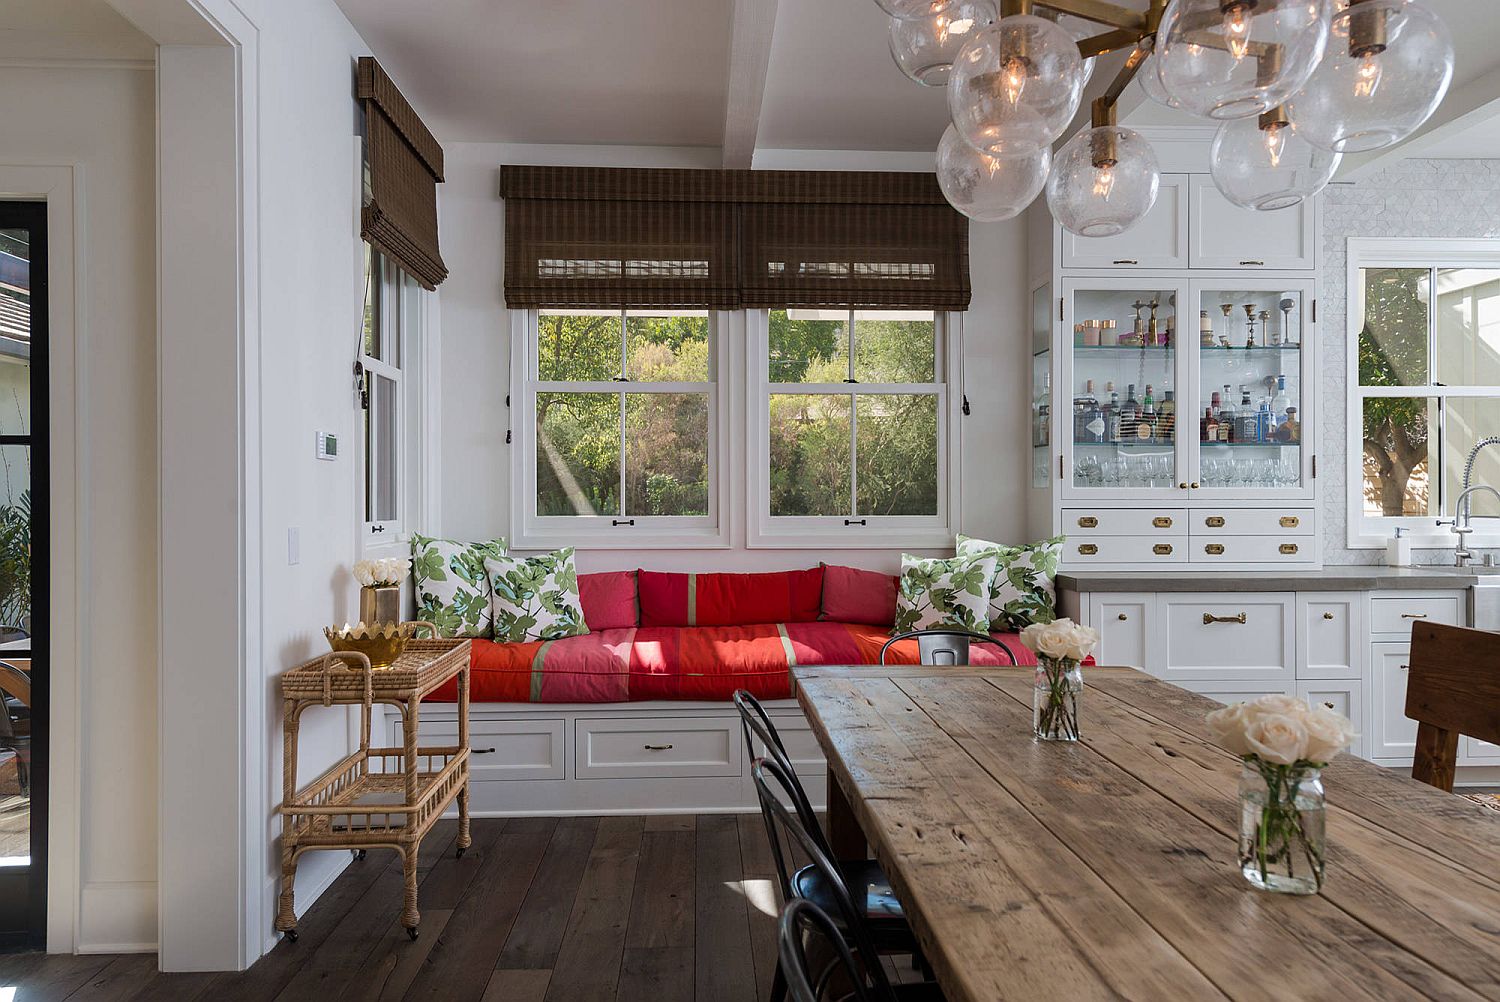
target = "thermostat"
x: 328, y: 445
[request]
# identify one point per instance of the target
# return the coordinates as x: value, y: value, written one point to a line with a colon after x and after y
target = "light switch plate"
x: 328, y: 445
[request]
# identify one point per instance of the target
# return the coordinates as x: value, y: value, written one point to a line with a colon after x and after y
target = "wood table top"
x: 1109, y: 867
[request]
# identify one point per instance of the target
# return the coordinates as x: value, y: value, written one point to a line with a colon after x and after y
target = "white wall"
x: 102, y: 120
x: 475, y: 466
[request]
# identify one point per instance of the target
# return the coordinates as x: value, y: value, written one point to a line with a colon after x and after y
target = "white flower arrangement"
x: 1281, y: 730
x: 1059, y: 645
x: 1062, y: 639
x: 381, y: 573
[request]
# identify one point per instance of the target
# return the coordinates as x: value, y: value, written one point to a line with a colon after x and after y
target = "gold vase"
x: 380, y: 604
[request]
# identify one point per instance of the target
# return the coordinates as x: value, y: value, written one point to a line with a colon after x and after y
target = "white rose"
x: 1081, y: 641
x: 1047, y: 639
x: 1277, y: 704
x: 1328, y: 733
x: 1228, y: 725
x: 1277, y: 738
x: 364, y: 572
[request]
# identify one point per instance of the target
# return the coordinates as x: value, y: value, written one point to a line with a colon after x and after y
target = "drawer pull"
x: 1414, y: 615
x: 1126, y: 260
x: 1088, y: 522
x: 1287, y: 548
x: 1404, y: 667
x: 1209, y: 617
x: 1162, y: 522
x: 481, y: 751
x: 1246, y: 264
x: 1327, y: 615
x: 1289, y: 521
x: 1214, y: 521
x: 657, y: 747
x: 1162, y: 549
x: 1327, y: 704
x: 1214, y: 549
x: 1123, y: 617
x: 1087, y: 549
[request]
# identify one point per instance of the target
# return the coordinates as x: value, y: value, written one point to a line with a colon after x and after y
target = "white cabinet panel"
x: 1395, y: 614
x: 1124, y: 550
x: 1236, y: 692
x: 1393, y: 735
x: 1223, y: 235
x: 501, y: 749
x: 1244, y: 637
x: 1123, y: 620
x: 1237, y: 520
x: 658, y: 747
x: 1157, y: 523
x: 1472, y: 751
x: 1340, y: 696
x: 1329, y: 638
x: 801, y: 745
x: 1268, y: 550
x: 1157, y: 241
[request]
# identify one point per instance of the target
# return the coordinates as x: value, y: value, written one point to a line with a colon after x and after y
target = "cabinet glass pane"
x: 1249, y: 411
x: 1041, y: 385
x: 1123, y: 419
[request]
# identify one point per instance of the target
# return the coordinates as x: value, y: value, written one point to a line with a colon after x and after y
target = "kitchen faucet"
x: 1460, y: 523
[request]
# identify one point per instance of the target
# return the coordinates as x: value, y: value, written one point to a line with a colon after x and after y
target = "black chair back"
x: 967, y: 636
x: 815, y: 959
x: 756, y: 723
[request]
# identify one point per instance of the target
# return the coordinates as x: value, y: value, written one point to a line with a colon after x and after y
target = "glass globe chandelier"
x: 1149, y: 76
x: 1015, y: 86
x: 924, y: 47
x: 912, y: 8
x: 1388, y: 65
x: 1235, y: 58
x: 988, y: 189
x: 1263, y: 163
x: 1105, y: 179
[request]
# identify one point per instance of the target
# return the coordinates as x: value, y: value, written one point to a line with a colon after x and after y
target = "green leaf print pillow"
x: 453, y: 592
x: 535, y: 598
x: 951, y: 593
x: 1023, y: 592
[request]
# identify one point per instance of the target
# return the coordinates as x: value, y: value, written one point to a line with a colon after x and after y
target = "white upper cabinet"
x: 1223, y: 235
x: 1158, y: 241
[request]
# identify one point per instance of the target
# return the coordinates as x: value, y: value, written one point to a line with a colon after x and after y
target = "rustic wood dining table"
x: 1109, y: 868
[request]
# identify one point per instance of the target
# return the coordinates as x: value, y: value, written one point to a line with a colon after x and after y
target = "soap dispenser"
x: 1398, y: 549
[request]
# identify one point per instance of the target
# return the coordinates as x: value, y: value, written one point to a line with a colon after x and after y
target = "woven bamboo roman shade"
x: 583, y: 236
x: 405, y: 164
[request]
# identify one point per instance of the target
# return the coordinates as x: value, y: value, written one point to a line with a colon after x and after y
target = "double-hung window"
x: 854, y: 428
x: 622, y: 434
x: 388, y: 357
x: 1424, y: 381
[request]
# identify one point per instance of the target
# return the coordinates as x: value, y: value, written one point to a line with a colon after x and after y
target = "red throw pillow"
x: 851, y: 595
x: 730, y: 599
x: 608, y: 600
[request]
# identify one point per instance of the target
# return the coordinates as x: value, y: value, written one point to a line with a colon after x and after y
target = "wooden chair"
x: 1453, y: 688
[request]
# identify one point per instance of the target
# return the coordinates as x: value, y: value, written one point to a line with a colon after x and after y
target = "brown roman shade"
x: 405, y: 165
x: 584, y: 236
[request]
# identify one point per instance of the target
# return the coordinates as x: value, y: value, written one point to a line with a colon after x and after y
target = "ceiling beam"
x: 1475, y: 104
x: 754, y: 22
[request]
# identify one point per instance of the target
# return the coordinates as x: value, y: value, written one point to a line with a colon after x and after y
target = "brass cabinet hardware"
x: 1088, y: 522
x: 1290, y: 521
x: 1162, y: 522
x: 1209, y: 617
x: 1287, y: 548
x: 1414, y: 615
x: 657, y: 747
x: 1247, y: 264
x: 1126, y: 260
x: 1162, y: 549
x: 1214, y: 521
x: 1214, y: 549
x: 1327, y: 615
x: 1087, y: 549
x: 1327, y: 704
x: 1194, y: 485
x: 1182, y: 485
x: 1123, y: 617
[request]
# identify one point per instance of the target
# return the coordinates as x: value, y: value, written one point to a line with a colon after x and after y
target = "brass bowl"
x: 382, y: 643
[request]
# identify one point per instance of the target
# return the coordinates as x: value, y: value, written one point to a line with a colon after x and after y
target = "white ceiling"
x: 69, y: 29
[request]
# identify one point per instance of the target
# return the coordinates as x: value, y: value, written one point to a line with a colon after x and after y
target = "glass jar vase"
x: 1054, y: 699
x: 1282, y: 840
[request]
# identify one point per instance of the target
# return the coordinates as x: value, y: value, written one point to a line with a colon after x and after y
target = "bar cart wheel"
x: 411, y: 931
x: 290, y: 934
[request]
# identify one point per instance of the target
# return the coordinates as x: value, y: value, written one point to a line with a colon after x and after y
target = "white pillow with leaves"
x: 1023, y: 592
x: 452, y: 590
x: 535, y: 598
x: 953, y: 593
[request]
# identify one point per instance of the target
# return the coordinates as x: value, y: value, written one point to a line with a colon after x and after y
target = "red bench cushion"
x: 851, y: 595
x: 608, y: 600
x: 730, y: 599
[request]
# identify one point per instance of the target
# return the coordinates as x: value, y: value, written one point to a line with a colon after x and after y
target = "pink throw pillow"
x: 608, y: 600
x: 851, y: 595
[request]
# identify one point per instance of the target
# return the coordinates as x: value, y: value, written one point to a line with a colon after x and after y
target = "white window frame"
x: 530, y: 530
x: 837, y: 531
x: 1372, y: 531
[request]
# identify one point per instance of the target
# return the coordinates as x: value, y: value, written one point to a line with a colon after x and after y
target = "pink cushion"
x: 608, y: 600
x: 730, y: 599
x: 851, y: 595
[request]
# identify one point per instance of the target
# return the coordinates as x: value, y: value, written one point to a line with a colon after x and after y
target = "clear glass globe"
x: 1079, y: 28
x: 924, y: 47
x: 1270, y: 168
x: 912, y: 8
x: 1103, y: 182
x: 985, y: 188
x: 1387, y: 67
x: 1149, y: 76
x: 1015, y: 86
x: 1210, y: 52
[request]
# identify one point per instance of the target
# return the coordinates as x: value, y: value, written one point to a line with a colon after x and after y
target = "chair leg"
x: 778, y: 984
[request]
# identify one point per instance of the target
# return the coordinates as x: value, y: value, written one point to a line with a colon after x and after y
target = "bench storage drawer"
x: 658, y: 747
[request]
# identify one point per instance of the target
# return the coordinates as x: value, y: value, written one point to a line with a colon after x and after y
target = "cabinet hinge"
x: 507, y: 400
x: 507, y: 436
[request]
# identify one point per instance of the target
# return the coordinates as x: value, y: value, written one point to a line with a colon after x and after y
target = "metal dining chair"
x: 817, y: 961
x: 945, y: 646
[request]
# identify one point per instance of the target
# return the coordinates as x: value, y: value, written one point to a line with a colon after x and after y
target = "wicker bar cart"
x: 374, y: 798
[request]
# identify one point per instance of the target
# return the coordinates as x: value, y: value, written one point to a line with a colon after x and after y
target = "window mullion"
x: 621, y: 505
x: 853, y: 448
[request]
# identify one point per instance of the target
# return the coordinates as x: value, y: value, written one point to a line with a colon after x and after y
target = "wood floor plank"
x: 671, y: 822
x: 463, y: 960
x: 57, y: 976
x: 755, y: 847
x: 762, y: 896
x: 725, y: 968
x: 538, y: 931
x: 450, y: 876
x: 661, y: 907
x: 392, y: 966
x: 122, y: 978
x: 588, y: 962
x: 517, y: 986
x: 656, y: 974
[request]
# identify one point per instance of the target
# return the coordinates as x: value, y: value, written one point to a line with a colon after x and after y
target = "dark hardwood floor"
x: 659, y: 908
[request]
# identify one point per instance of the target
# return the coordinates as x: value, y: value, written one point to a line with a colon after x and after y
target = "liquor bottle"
x: 1112, y: 415
x: 1244, y: 417
x: 1146, y: 430
x: 1210, y: 425
x: 1265, y: 428
x: 1093, y: 418
x: 1078, y: 409
x: 1226, y: 417
x: 1289, y: 431
x: 1166, y: 423
x: 1214, y: 402
x: 1281, y: 401
x: 1044, y: 418
x: 1205, y: 329
x: 1130, y: 415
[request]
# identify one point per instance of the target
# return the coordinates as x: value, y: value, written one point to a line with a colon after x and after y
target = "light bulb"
x: 1104, y: 180
x: 1275, y: 142
x: 1367, y: 77
x: 1237, y: 30
x: 1013, y: 79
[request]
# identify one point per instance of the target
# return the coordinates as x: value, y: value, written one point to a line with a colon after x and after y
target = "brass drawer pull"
x: 1290, y: 521
x: 1214, y: 521
x: 1209, y: 617
x: 1414, y: 615
x: 1087, y: 549
x: 1327, y: 704
x: 1287, y: 548
x: 1327, y: 615
x: 1162, y: 522
x: 1123, y: 617
x: 1214, y: 549
x: 658, y: 747
x: 1162, y: 549
x: 1088, y: 522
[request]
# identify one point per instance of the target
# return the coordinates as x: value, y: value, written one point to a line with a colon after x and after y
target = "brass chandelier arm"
x: 1109, y: 41
x: 1101, y: 11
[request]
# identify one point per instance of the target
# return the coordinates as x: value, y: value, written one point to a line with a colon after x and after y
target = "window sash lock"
x: 622, y: 521
x: 856, y: 521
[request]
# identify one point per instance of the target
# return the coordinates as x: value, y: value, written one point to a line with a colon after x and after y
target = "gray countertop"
x: 1345, y: 578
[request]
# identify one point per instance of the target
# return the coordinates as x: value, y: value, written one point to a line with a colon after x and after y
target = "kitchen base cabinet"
x: 1393, y: 735
x: 1344, y: 696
